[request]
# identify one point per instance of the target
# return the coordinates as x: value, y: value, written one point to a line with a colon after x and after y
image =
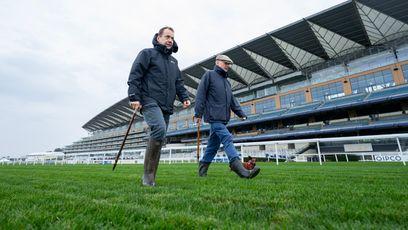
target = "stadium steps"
x: 309, y: 146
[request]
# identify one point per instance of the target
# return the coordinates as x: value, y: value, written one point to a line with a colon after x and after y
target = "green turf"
x: 294, y: 195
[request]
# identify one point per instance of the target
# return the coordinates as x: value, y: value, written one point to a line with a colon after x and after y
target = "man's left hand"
x: 186, y: 103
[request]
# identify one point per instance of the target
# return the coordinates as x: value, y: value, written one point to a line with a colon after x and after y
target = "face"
x: 223, y: 65
x: 166, y: 39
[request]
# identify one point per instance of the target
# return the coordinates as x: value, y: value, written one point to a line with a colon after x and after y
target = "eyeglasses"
x: 227, y: 63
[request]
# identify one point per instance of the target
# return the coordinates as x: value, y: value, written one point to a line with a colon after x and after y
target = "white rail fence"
x: 377, y: 148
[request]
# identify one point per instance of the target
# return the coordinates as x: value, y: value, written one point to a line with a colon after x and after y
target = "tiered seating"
x: 389, y: 93
x: 303, y: 109
x: 342, y: 102
x: 347, y: 125
x: 394, y: 121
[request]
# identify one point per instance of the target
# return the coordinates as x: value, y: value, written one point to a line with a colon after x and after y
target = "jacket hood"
x: 163, y: 48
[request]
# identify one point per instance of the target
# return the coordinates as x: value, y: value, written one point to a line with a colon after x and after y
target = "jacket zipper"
x: 166, y: 60
x: 226, y: 100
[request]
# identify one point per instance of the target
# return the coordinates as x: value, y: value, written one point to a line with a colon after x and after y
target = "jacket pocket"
x: 218, y: 113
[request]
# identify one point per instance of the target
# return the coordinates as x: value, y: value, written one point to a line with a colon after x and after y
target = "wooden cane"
x: 198, y: 140
x: 124, y: 139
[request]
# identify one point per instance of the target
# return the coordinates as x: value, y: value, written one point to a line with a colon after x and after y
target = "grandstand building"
x: 340, y: 72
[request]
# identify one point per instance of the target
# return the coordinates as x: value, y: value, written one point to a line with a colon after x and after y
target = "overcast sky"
x: 63, y: 62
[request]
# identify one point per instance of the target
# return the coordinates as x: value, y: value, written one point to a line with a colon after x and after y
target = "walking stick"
x: 124, y: 139
x: 198, y: 140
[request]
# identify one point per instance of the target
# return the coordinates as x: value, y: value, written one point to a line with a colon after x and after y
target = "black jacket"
x: 214, y: 98
x: 155, y: 77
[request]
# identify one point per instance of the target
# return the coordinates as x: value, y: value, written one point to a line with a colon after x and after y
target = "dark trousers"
x: 219, y: 134
x: 157, y: 120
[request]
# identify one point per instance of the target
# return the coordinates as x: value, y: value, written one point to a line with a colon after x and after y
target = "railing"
x: 357, y: 148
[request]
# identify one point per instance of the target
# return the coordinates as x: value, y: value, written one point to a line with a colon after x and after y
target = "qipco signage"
x: 388, y: 158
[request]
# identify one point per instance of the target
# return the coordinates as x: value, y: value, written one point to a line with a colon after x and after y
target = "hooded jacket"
x: 214, y: 98
x: 155, y: 78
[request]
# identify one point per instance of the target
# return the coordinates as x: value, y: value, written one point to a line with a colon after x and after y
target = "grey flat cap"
x: 224, y: 58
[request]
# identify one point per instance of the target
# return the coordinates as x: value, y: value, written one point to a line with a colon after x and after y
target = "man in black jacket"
x: 215, y: 101
x: 154, y: 82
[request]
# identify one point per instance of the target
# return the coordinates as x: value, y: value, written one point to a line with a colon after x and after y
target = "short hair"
x: 165, y: 28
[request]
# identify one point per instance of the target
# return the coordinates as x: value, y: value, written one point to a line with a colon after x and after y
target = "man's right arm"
x: 137, y: 72
x: 201, y: 96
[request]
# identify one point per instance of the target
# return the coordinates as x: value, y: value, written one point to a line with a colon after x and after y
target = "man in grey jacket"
x: 215, y: 101
x: 154, y: 81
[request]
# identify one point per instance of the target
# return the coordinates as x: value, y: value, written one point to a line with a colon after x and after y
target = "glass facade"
x: 246, y: 109
x: 293, y: 99
x: 181, y: 124
x: 371, y: 62
x: 191, y: 124
x: 266, y: 92
x: 328, y: 74
x: 246, y: 97
x: 327, y: 92
x: 372, y: 82
x: 405, y: 71
x: 265, y: 105
x: 402, y: 53
x: 293, y: 86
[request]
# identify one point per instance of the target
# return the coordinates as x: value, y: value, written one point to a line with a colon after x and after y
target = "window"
x: 191, y: 124
x: 402, y: 53
x: 328, y: 74
x: 270, y: 90
x: 265, y: 106
x: 266, y: 91
x: 246, y: 109
x: 172, y: 126
x: 293, y: 86
x: 246, y: 97
x: 371, y: 62
x: 372, y: 82
x: 405, y: 71
x: 327, y: 92
x: 181, y: 124
x: 260, y: 93
x: 293, y: 99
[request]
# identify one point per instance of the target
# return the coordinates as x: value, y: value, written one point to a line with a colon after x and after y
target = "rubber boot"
x: 151, y: 162
x: 202, y: 169
x: 242, y: 172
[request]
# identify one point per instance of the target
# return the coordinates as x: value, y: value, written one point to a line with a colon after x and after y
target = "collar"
x: 220, y: 71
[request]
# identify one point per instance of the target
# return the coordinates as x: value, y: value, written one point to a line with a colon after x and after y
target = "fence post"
x: 201, y: 151
x: 400, y: 150
x: 318, y: 151
x: 242, y: 153
x: 170, y: 156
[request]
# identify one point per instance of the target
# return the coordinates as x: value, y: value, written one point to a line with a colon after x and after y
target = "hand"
x: 136, y: 105
x: 197, y: 120
x: 243, y: 118
x: 186, y: 104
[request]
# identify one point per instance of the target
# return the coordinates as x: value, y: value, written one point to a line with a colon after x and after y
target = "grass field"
x: 295, y: 195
